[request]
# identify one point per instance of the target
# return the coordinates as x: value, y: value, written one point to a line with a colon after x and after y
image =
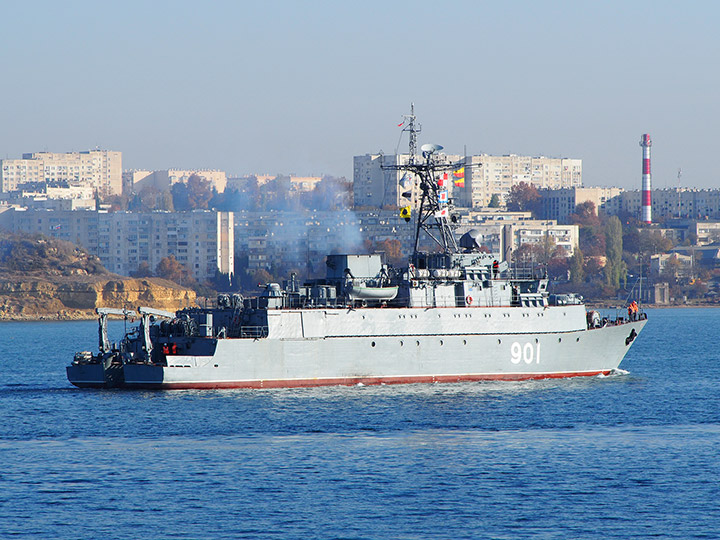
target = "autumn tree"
x: 277, y: 194
x: 524, y: 197
x: 585, y: 215
x: 494, y: 201
x: 393, y: 251
x: 142, y: 271
x: 558, y: 268
x: 260, y: 277
x: 171, y: 269
x: 529, y: 254
x: 329, y: 194
x: 195, y: 194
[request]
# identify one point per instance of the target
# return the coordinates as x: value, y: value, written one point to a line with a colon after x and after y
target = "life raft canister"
x: 468, y: 300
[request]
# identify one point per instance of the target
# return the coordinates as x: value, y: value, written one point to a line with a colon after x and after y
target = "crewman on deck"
x: 633, y: 310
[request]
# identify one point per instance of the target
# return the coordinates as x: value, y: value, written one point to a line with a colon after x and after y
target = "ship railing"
x: 527, y: 270
x: 253, y: 331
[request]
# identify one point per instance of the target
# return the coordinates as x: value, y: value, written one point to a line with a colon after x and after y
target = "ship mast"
x: 412, y: 128
x: 432, y: 177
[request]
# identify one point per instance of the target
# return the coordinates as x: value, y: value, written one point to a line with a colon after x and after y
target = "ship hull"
x: 98, y: 374
x: 87, y: 375
x: 395, y: 359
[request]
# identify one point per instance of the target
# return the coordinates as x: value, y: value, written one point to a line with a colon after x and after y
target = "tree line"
x: 198, y: 193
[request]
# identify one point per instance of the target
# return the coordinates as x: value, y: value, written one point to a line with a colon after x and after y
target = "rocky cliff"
x: 47, y: 278
x: 23, y: 298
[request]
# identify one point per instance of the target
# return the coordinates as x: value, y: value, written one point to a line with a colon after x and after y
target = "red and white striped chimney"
x: 646, y: 215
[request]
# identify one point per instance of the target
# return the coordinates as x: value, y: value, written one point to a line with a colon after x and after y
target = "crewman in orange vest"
x: 633, y: 310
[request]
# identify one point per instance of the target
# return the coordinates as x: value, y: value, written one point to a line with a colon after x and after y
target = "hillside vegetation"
x: 37, y: 254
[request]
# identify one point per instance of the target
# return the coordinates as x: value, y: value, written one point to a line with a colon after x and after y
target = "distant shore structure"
x: 646, y: 143
x: 98, y: 169
x: 483, y: 175
x: 137, y: 180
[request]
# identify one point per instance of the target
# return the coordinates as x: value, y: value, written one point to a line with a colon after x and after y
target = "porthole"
x: 372, y: 344
x: 441, y: 342
x: 499, y: 342
x: 464, y: 342
x: 559, y: 340
x: 401, y: 343
x: 417, y: 343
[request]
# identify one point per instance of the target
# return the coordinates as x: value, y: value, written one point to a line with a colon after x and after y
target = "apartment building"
x: 101, y: 170
x: 675, y: 203
x: 558, y: 204
x: 201, y: 240
x: 298, y: 184
x: 487, y: 175
x: 377, y: 183
x: 136, y: 180
x: 51, y: 196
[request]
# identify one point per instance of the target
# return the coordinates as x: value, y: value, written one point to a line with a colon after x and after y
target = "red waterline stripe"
x: 368, y: 381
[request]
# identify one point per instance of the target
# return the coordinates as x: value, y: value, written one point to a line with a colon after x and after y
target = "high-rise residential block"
x: 378, y: 182
x: 202, y: 240
x: 99, y: 169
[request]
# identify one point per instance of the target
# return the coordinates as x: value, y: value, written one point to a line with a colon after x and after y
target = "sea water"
x: 634, y: 455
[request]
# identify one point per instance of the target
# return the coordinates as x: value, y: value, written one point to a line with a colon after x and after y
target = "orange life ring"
x: 468, y: 300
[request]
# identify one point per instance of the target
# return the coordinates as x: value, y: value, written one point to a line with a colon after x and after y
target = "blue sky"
x: 301, y: 87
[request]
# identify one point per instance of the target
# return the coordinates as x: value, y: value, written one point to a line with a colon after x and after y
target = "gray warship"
x: 456, y: 314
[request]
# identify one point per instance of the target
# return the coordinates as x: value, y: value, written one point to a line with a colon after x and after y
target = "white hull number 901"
x: 528, y: 353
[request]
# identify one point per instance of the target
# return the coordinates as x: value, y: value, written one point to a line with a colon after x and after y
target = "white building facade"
x: 100, y: 170
x: 487, y: 175
x: 675, y: 203
x: 558, y: 204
